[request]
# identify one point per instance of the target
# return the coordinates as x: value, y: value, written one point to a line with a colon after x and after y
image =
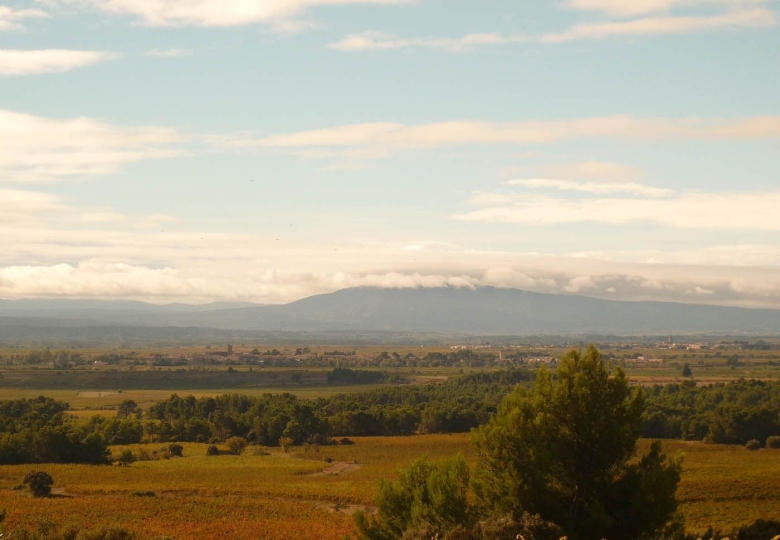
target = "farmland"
x: 286, y: 496
x: 308, y: 492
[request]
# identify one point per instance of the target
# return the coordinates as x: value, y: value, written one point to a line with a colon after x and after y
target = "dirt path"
x: 348, y: 509
x: 337, y: 468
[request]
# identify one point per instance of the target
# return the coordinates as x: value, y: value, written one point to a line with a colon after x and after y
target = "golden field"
x: 299, y: 495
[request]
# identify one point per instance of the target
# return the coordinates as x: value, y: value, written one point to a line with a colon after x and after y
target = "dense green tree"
x: 429, y: 497
x: 126, y: 408
x: 563, y: 450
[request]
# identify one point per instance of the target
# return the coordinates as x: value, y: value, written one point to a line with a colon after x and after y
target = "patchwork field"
x: 299, y: 495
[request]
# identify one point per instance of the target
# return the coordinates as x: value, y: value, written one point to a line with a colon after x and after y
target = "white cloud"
x: 168, y: 53
x: 283, y: 14
x: 596, y: 188
x: 627, y: 8
x: 715, y: 211
x: 10, y: 18
x: 32, y: 62
x: 39, y: 149
x: 580, y: 283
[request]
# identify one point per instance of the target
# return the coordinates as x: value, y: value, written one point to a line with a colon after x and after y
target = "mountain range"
x: 481, y: 311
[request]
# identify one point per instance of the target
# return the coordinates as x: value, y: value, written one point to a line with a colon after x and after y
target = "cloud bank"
x: 258, y: 271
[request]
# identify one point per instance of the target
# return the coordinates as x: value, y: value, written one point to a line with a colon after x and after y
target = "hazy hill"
x: 486, y: 311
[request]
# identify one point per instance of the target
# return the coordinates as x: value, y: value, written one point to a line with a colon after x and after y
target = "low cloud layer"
x: 66, y: 258
x: 203, y: 280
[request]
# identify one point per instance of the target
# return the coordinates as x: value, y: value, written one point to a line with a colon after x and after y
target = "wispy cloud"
x: 598, y: 170
x: 714, y: 211
x: 644, y: 18
x: 27, y: 62
x: 10, y: 18
x: 35, y: 149
x: 372, y: 140
x: 283, y: 14
x: 629, y: 8
x: 168, y: 53
x: 18, y: 206
x: 24, y: 208
x: 373, y: 40
x: 758, y: 17
x: 595, y: 188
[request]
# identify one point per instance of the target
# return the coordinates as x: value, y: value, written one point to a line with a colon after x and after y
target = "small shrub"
x: 328, y: 460
x: 346, y: 441
x: 142, y: 494
x: 286, y: 443
x: 126, y: 457
x: 773, y: 442
x: 212, y: 451
x: 40, y: 483
x: 236, y: 445
x: 176, y: 450
x: 753, y: 444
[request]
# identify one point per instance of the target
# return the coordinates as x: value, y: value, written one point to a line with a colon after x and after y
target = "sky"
x: 268, y: 150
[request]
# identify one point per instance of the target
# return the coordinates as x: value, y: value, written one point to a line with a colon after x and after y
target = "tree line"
x: 728, y: 413
x: 39, y: 430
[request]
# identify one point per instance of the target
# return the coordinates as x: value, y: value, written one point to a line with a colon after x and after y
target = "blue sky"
x: 266, y: 150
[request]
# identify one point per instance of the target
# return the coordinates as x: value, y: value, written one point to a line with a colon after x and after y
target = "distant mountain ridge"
x: 481, y: 311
